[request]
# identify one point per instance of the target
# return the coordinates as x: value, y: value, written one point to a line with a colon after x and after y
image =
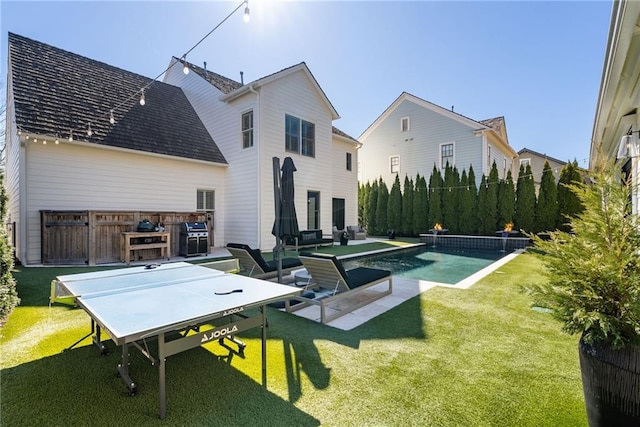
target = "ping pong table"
x: 181, y: 305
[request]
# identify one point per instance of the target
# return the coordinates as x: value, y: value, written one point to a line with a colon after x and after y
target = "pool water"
x: 424, y: 263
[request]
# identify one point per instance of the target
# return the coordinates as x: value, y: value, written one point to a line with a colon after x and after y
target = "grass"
x: 448, y: 357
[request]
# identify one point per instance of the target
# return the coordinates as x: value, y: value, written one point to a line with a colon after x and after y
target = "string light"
x: 246, y: 17
x: 142, y: 99
x: 185, y: 68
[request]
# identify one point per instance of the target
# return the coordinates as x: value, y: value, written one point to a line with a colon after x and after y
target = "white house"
x: 412, y: 135
x: 78, y: 139
x: 619, y: 98
x: 283, y: 114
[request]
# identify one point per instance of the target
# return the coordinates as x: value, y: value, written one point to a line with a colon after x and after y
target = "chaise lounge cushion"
x: 266, y: 266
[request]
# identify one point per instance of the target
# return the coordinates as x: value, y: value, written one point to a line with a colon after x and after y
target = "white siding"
x: 418, y: 148
x: 78, y: 176
x: 223, y: 121
x: 345, y: 183
x: 294, y: 95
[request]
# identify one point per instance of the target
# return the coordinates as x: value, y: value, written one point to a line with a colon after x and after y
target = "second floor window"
x: 395, y: 164
x: 247, y: 129
x: 446, y: 155
x: 404, y: 124
x: 348, y: 161
x: 300, y: 136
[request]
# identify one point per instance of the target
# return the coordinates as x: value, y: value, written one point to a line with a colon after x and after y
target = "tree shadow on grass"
x: 80, y: 387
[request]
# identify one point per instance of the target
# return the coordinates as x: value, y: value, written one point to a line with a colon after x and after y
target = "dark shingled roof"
x: 337, y: 131
x: 55, y: 91
x: 222, y: 83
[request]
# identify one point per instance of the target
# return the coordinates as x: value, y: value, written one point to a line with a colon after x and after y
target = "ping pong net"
x: 66, y: 289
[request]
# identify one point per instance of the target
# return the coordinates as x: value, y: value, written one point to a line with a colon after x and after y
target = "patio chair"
x: 253, y: 264
x: 356, y: 232
x: 348, y: 290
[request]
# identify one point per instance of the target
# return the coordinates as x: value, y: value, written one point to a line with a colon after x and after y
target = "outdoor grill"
x: 194, y: 238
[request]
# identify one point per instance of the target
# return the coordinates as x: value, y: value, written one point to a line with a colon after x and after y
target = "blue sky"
x: 536, y: 63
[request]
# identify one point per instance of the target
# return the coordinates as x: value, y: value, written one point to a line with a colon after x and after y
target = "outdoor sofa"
x: 347, y: 290
x: 356, y: 232
x: 308, y: 239
x: 253, y: 264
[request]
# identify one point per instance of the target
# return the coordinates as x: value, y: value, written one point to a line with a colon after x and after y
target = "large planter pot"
x: 611, y: 383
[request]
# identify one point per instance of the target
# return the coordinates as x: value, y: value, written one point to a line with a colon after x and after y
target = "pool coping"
x: 403, y: 290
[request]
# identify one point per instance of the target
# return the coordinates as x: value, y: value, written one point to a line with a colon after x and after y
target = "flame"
x: 437, y: 226
x: 508, y: 226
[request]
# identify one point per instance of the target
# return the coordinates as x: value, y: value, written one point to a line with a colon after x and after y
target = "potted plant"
x: 344, y: 238
x: 593, y: 288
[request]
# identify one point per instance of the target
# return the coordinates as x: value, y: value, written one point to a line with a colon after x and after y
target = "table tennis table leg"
x: 123, y: 371
x: 97, y: 339
x: 264, y: 346
x: 161, y: 376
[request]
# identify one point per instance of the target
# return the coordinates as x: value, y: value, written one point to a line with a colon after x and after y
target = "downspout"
x: 259, y: 158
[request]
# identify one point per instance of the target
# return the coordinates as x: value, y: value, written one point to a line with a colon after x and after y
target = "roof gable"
x: 56, y: 91
x: 279, y: 75
x: 405, y: 96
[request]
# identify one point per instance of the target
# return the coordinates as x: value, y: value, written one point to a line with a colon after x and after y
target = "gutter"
x: 259, y: 157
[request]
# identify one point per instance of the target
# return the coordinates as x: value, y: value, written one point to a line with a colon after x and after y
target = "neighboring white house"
x: 536, y: 160
x: 190, y: 147
x: 412, y: 135
x: 619, y: 98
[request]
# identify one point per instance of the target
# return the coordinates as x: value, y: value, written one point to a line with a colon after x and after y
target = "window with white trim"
x: 525, y: 162
x: 348, y: 161
x: 394, y: 162
x: 488, y: 157
x: 446, y: 155
x: 404, y: 124
x: 206, y: 200
x: 247, y: 129
x: 300, y: 136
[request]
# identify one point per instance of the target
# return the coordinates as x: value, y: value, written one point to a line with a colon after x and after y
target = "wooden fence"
x: 93, y: 237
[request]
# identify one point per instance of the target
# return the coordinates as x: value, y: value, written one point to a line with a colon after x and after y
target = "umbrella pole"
x: 277, y: 193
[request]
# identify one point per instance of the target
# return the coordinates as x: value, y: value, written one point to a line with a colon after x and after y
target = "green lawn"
x: 449, y: 357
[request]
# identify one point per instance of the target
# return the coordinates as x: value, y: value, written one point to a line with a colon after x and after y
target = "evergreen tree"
x: 8, y: 294
x: 372, y: 206
x: 394, y: 207
x: 525, y: 201
x: 473, y: 196
x: 466, y: 206
x: 382, y: 226
x: 365, y: 205
x: 506, y: 201
x: 450, y: 198
x: 420, y: 206
x: 481, y: 216
x: 407, y: 207
x: 361, y: 190
x: 547, y: 206
x: 569, y: 204
x: 435, y: 198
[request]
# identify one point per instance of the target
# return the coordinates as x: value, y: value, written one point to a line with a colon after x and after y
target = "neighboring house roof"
x: 544, y: 156
x: 56, y: 91
x: 222, y: 83
x: 498, y: 124
x: 338, y: 132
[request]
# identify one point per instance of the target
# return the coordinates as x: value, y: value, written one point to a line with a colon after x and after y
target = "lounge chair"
x: 347, y: 289
x: 253, y: 264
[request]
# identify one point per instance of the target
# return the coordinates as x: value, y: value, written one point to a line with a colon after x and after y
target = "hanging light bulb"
x: 89, y: 131
x: 112, y: 119
x: 142, y: 100
x: 57, y: 140
x: 35, y: 139
x: 246, y: 16
x: 185, y: 67
x: 44, y: 142
x: 70, y: 135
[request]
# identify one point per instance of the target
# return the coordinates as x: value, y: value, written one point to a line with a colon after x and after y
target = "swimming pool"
x: 448, y: 266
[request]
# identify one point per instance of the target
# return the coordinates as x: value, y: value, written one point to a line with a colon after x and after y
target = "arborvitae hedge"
x: 8, y: 294
x: 435, y: 198
x: 547, y: 206
x: 382, y: 227
x: 525, y: 201
x: 569, y: 204
x: 407, y: 207
x: 394, y: 207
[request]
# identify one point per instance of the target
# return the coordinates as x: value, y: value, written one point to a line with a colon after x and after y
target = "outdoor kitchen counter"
x: 126, y: 247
